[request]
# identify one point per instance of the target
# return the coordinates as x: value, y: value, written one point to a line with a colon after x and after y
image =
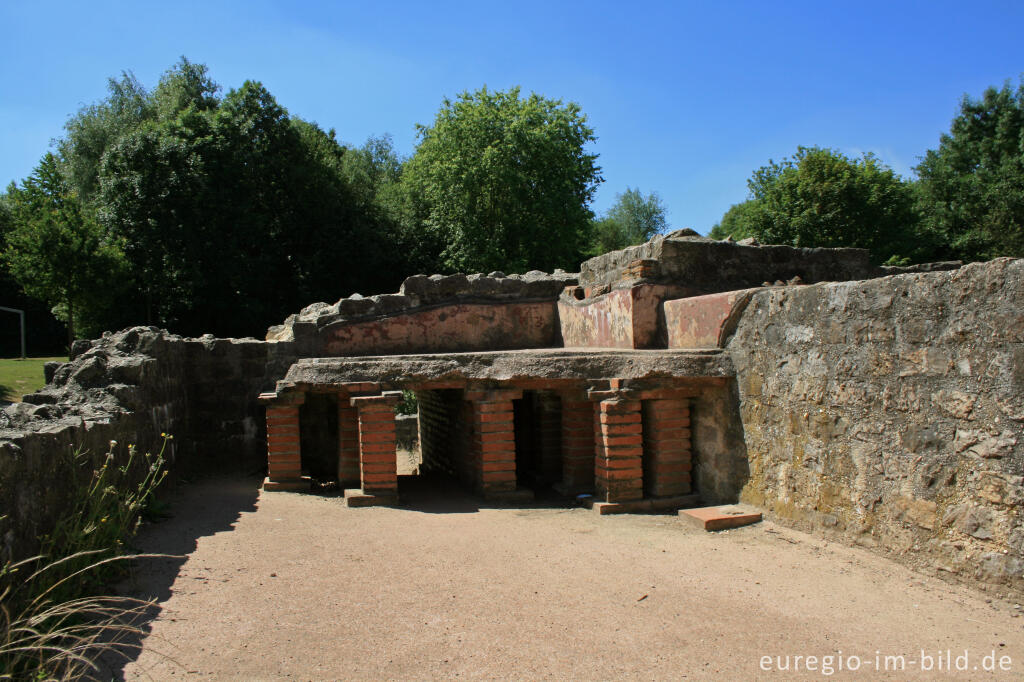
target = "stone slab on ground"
x: 721, y: 517
x: 650, y: 504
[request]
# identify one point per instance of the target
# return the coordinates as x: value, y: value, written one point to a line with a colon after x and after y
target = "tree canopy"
x: 971, y: 189
x: 821, y: 198
x: 56, y: 249
x: 632, y: 219
x: 499, y: 181
x: 230, y: 213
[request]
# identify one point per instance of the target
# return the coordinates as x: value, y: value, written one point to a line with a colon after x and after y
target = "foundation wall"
x: 890, y: 413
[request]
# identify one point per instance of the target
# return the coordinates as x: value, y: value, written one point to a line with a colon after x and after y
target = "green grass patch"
x: 18, y: 377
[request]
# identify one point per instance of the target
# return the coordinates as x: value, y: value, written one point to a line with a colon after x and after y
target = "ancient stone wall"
x: 436, y: 314
x: 130, y: 387
x: 890, y: 413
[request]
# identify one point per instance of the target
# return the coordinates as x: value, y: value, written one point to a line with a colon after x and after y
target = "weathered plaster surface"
x: 461, y: 327
x: 703, y: 321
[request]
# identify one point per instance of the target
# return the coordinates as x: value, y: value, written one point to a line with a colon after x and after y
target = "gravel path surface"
x: 290, y: 586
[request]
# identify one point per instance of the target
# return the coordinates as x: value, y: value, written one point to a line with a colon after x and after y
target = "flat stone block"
x: 286, y: 484
x: 721, y: 518
x: 650, y: 504
x: 355, y: 497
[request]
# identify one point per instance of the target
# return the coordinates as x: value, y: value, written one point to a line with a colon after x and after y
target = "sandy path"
x: 290, y: 586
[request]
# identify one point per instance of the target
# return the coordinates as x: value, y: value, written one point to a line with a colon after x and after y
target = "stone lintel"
x: 282, y: 398
x: 385, y: 398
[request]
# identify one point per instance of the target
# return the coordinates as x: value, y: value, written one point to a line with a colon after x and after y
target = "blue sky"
x: 686, y: 98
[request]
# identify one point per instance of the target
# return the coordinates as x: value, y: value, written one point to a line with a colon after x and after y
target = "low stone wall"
x: 890, y: 413
x: 130, y: 387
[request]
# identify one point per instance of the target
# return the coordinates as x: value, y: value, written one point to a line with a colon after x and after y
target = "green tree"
x: 503, y: 182
x: 821, y: 198
x: 632, y: 219
x: 971, y: 189
x: 56, y: 249
x: 738, y: 222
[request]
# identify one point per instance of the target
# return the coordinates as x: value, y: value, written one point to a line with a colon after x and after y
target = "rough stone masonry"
x: 879, y: 406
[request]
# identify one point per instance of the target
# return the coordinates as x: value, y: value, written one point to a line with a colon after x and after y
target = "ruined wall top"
x: 686, y: 259
x: 421, y: 291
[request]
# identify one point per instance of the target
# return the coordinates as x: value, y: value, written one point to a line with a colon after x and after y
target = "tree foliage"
x: 56, y: 249
x: 632, y: 219
x: 503, y: 182
x: 738, y: 222
x: 231, y: 214
x: 821, y: 198
x: 971, y: 189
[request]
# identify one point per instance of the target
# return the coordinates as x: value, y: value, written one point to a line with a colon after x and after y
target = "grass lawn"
x: 18, y: 377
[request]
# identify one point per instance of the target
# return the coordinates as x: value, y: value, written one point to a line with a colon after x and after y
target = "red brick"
x: 283, y: 458
x: 377, y: 437
x: 491, y: 467
x: 499, y: 406
x: 619, y: 406
x: 497, y: 447
x: 621, y: 429
x: 494, y: 426
x: 611, y: 441
x: 630, y: 418
x: 621, y: 474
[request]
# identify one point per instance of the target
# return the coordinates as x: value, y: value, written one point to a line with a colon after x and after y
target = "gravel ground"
x: 292, y: 586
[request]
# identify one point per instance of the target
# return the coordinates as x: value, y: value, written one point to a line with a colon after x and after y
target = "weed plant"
x: 51, y: 624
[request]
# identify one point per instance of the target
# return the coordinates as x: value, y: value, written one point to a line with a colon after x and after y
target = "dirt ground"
x: 295, y: 586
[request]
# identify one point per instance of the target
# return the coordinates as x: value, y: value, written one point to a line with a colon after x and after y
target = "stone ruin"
x: 879, y: 406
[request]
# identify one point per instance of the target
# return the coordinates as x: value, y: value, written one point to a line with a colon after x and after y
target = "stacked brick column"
x: 618, y: 470
x: 494, y: 441
x: 377, y: 466
x: 577, y: 444
x: 666, y: 442
x: 348, y: 441
x: 284, y: 452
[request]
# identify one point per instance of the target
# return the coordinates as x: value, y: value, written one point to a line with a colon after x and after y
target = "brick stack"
x: 494, y: 440
x: 666, y: 443
x: 377, y: 464
x: 618, y: 470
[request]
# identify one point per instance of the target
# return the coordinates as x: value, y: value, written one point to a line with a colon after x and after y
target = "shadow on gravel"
x: 197, y: 509
x: 439, y: 494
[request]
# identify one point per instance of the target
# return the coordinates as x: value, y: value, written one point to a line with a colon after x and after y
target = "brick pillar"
x: 494, y: 440
x: 284, y: 452
x: 618, y: 472
x: 377, y: 466
x: 348, y: 442
x: 577, y: 444
x: 667, y: 459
